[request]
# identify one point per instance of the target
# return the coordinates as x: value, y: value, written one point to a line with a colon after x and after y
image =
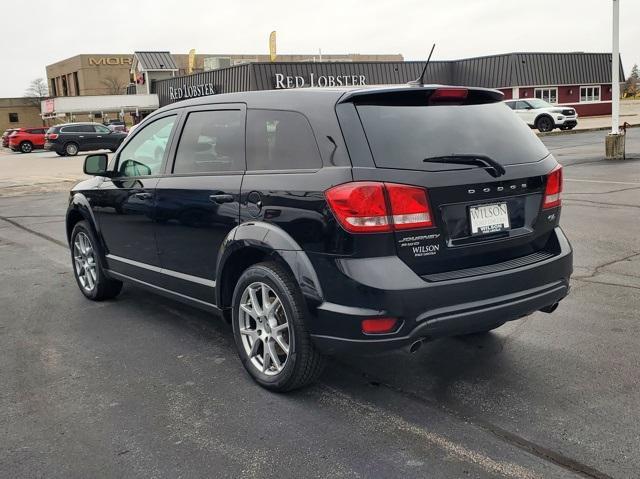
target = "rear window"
x: 403, y: 136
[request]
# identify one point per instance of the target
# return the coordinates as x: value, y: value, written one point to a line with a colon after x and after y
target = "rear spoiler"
x: 432, y: 94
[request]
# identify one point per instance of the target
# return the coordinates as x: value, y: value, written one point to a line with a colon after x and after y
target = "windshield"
x: 538, y: 103
x: 403, y: 136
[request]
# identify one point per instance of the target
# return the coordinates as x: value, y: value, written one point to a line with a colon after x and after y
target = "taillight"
x: 379, y: 325
x: 51, y: 136
x: 409, y: 206
x: 553, y: 190
x: 360, y: 207
x: 374, y: 207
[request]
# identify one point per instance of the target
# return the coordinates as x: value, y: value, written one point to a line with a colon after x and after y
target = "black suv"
x: 320, y: 221
x: 70, y: 138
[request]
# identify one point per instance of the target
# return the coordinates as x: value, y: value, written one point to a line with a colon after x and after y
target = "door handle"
x: 143, y: 196
x: 221, y: 198
x: 80, y: 136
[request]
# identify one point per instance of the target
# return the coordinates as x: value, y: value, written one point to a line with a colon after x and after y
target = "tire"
x: 61, y: 153
x: 545, y: 124
x: 297, y: 365
x: 483, y: 331
x: 26, y: 147
x: 87, y: 265
x: 71, y: 149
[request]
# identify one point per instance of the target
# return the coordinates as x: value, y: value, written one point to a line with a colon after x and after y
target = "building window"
x: 547, y: 94
x: 589, y: 94
x: 13, y: 118
x: 76, y: 84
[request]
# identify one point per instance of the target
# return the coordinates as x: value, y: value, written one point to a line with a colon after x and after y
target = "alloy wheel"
x: 84, y: 261
x: 264, y: 328
x: 26, y: 147
x: 71, y: 149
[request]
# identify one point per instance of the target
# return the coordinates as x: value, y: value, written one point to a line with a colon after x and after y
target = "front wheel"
x: 87, y: 266
x: 270, y: 331
x: 545, y: 124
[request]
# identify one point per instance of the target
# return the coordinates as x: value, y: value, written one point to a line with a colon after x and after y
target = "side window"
x: 511, y: 104
x: 280, y: 140
x: 522, y: 105
x: 101, y: 129
x: 211, y: 141
x: 78, y: 129
x: 143, y: 155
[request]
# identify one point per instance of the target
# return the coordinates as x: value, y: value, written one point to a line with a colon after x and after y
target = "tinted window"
x: 101, y: 129
x: 510, y: 104
x: 280, y: 140
x: 142, y: 156
x: 403, y: 136
x: 522, y: 105
x: 77, y: 129
x: 211, y: 141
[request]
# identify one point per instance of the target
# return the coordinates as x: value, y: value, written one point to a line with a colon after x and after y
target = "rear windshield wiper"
x: 492, y: 167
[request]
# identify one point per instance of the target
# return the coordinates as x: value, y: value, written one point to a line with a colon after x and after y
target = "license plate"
x: 491, y: 218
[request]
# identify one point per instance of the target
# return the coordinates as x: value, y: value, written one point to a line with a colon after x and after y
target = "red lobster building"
x: 580, y: 80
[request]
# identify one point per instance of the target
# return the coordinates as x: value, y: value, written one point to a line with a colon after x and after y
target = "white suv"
x: 544, y: 116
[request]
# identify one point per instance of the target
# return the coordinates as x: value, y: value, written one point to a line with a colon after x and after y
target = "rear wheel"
x: 71, y: 149
x: 270, y: 332
x: 26, y: 147
x: 61, y: 153
x: 545, y: 124
x: 87, y: 266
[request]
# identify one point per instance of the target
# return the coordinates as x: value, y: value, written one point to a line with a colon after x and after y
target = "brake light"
x: 449, y: 94
x: 375, y: 207
x: 553, y: 190
x: 51, y: 136
x: 379, y: 325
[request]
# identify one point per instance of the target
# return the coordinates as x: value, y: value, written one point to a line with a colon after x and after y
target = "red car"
x: 27, y: 139
x: 5, y: 136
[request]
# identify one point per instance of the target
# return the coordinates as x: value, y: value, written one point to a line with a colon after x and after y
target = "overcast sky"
x: 55, y: 30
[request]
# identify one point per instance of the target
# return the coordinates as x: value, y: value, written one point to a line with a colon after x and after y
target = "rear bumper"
x: 432, y: 309
x: 52, y: 146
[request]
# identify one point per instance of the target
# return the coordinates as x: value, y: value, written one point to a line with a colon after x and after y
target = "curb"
x: 584, y: 130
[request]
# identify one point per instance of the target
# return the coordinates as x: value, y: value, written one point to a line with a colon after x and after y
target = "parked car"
x: 320, y: 221
x: 5, y: 136
x: 26, y: 140
x: 116, y: 125
x: 544, y: 116
x: 70, y: 138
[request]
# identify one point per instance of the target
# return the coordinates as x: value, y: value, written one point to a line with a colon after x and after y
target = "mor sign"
x: 191, y: 91
x: 313, y: 80
x: 96, y: 61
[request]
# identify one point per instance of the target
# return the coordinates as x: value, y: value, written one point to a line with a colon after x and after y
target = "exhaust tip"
x: 415, y: 346
x: 550, y: 309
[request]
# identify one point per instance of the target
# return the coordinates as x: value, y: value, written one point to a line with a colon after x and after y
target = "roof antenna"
x: 420, y: 80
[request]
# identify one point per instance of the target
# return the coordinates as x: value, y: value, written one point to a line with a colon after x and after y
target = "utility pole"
x: 614, y: 142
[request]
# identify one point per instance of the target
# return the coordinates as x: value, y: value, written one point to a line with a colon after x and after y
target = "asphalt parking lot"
x: 145, y: 387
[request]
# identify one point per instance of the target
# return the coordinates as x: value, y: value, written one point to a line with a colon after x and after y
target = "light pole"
x: 615, y: 70
x: 614, y: 142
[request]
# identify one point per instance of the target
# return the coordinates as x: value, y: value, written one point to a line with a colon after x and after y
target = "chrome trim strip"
x: 117, y: 275
x: 168, y: 272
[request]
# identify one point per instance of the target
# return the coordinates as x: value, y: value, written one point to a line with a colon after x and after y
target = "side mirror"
x: 96, y: 165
